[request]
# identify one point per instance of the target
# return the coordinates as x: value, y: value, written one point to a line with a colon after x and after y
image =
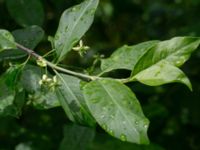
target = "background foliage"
x: 172, y: 109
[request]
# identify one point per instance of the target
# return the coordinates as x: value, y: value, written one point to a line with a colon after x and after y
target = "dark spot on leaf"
x: 73, y: 105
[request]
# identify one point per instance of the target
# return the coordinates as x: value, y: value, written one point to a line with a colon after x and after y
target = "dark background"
x: 173, y: 110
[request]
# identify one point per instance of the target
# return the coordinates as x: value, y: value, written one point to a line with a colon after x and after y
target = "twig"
x: 35, y: 55
x: 64, y: 70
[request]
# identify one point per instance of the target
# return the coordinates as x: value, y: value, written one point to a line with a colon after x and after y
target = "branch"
x: 27, y: 50
x: 53, y: 66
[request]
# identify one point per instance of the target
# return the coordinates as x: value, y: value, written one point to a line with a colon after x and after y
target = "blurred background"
x: 173, y: 110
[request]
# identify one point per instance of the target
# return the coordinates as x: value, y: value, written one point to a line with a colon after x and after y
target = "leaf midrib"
x: 71, y: 92
x: 119, y: 108
x: 76, y: 22
x: 174, y: 53
x: 73, y: 95
x: 113, y: 65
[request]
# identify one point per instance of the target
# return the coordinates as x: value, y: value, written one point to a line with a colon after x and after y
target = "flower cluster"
x: 49, y: 82
x: 81, y: 49
x: 41, y: 62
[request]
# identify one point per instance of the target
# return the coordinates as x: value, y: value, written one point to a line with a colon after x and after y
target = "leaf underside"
x: 162, y: 73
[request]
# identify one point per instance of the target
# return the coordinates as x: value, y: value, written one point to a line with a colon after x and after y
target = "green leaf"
x: 162, y: 73
x: 117, y: 110
x: 12, y: 94
x: 126, y: 57
x: 28, y: 37
x: 74, y: 22
x: 7, y: 96
x: 23, y: 146
x: 30, y: 78
x: 26, y: 12
x: 40, y: 97
x: 176, y: 51
x: 44, y: 99
x: 6, y: 40
x: 15, y: 109
x: 159, y: 65
x: 76, y: 137
x: 105, y: 142
x: 72, y: 100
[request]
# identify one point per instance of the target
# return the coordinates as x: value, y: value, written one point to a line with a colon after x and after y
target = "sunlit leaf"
x: 6, y: 40
x: 117, y: 110
x: 159, y: 65
x: 162, y: 73
x: 26, y: 12
x: 76, y: 137
x: 72, y: 100
x: 126, y: 57
x: 74, y: 22
x: 176, y: 51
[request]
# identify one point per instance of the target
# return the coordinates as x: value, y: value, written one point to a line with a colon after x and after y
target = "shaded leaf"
x: 40, y: 97
x: 73, y: 24
x: 72, y: 100
x: 76, y: 137
x: 7, y: 96
x: 30, y: 78
x: 6, y: 40
x: 105, y: 142
x: 126, y: 57
x: 12, y: 94
x: 15, y: 109
x: 26, y: 12
x: 45, y: 99
x: 176, y: 51
x: 162, y: 73
x: 28, y: 37
x: 117, y: 110
x: 23, y: 146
